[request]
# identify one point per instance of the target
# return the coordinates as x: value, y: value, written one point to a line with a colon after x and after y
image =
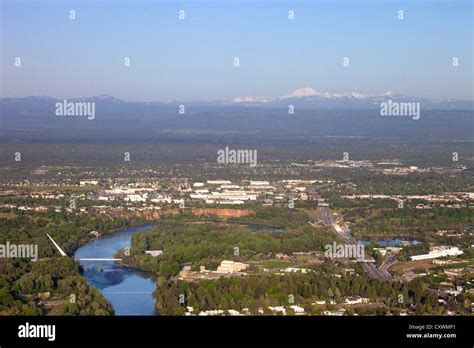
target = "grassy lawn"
x: 275, y: 264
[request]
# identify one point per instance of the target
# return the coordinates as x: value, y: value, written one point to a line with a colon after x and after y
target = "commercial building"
x: 436, y: 252
x: 231, y: 267
x: 154, y: 253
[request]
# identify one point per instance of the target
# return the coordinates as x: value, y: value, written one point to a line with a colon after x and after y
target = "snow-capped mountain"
x: 306, y: 92
x: 301, y: 98
x: 316, y: 113
x: 302, y: 92
x: 309, y: 97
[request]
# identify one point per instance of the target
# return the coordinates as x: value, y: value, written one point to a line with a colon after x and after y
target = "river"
x: 128, y: 290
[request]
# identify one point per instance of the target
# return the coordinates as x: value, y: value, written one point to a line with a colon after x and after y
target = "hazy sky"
x: 192, y: 59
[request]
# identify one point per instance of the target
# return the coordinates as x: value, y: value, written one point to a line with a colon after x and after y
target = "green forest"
x: 55, y: 284
x: 51, y: 280
x: 412, y: 222
x: 261, y: 291
x: 209, y: 244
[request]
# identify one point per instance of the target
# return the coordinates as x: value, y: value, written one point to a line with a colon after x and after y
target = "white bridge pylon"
x: 61, y: 251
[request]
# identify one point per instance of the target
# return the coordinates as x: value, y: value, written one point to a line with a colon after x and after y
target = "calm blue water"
x: 389, y: 242
x: 128, y: 290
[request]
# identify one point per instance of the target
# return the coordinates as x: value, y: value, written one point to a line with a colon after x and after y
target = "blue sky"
x: 192, y: 59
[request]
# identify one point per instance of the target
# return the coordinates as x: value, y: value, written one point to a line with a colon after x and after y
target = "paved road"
x: 371, y: 269
x: 388, y: 262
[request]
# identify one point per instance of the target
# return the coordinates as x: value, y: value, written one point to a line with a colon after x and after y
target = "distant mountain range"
x: 306, y: 97
x: 316, y: 114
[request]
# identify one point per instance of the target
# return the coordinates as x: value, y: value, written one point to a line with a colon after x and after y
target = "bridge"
x: 61, y: 251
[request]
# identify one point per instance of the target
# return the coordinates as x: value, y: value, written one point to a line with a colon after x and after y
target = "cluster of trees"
x: 338, y: 202
x: 263, y: 290
x: 369, y: 182
x: 410, y: 221
x: 27, y: 287
x: 24, y: 284
x: 279, y: 216
x: 271, y: 216
x: 70, y: 231
x: 209, y: 244
x: 412, y: 184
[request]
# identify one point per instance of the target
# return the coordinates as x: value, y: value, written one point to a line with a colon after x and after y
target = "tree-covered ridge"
x: 52, y: 287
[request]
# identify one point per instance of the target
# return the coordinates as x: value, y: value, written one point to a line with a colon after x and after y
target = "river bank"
x: 130, y: 290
